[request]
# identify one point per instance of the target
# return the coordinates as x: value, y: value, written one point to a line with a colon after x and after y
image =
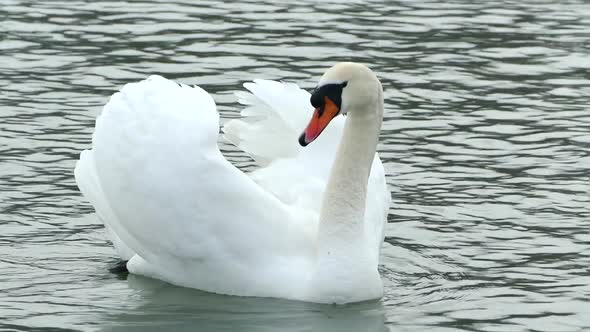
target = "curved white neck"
x: 343, y: 206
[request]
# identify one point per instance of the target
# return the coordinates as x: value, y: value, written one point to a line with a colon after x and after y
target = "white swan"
x: 306, y: 226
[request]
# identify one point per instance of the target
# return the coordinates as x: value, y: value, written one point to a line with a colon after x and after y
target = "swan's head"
x: 345, y: 87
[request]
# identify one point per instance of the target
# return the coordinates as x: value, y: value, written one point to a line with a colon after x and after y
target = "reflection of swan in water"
x: 162, y: 307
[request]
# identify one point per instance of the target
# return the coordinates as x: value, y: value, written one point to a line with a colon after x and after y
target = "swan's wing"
x: 275, y: 115
x: 160, y: 183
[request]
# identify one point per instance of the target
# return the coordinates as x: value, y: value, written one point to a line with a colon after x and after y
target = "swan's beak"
x: 319, y: 121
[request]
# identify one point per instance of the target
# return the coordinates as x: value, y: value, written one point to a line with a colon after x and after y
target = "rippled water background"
x: 486, y: 142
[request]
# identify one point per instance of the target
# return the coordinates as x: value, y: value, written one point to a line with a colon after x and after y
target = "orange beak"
x: 319, y: 121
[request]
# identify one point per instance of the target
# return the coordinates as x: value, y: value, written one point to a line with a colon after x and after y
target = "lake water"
x: 486, y: 143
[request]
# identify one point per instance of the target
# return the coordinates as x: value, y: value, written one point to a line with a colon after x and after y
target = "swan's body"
x: 297, y: 228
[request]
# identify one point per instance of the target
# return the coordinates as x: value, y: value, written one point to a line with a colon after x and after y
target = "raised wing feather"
x: 162, y: 186
x: 275, y: 113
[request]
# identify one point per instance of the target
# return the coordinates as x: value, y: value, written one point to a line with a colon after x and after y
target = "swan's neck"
x: 346, y: 262
x: 343, y: 206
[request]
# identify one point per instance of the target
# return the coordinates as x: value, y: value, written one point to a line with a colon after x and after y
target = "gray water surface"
x: 486, y: 143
